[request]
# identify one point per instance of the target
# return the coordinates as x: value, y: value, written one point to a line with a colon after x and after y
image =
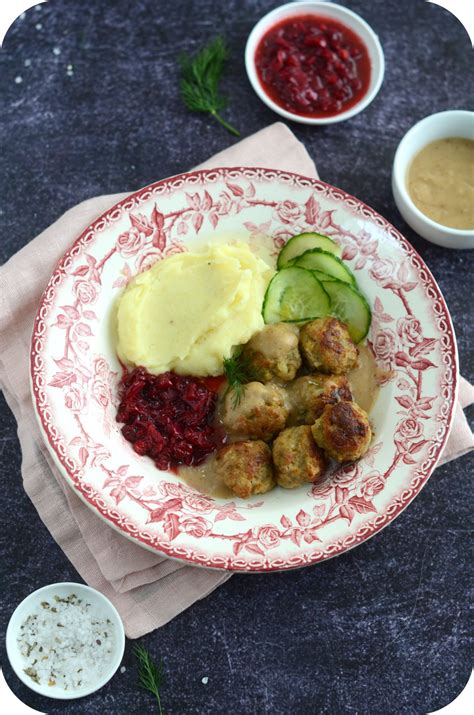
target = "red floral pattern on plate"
x: 74, y: 372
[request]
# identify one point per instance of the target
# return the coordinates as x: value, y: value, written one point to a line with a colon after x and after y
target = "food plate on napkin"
x: 75, y: 372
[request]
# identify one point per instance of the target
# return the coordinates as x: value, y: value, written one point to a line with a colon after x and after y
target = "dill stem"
x: 160, y: 710
x: 154, y: 690
x: 225, y: 124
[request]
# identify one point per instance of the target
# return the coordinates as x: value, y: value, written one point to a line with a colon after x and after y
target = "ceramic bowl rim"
x: 400, y: 181
x: 354, y: 22
x: 13, y: 656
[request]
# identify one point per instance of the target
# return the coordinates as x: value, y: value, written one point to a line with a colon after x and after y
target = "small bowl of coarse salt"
x: 65, y: 640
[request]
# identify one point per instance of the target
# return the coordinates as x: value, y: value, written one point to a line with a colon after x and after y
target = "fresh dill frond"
x: 200, y: 77
x: 238, y: 371
x: 150, y: 676
x: 236, y: 379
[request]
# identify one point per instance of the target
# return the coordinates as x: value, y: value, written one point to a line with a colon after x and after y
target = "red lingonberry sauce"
x: 313, y: 66
x: 169, y: 417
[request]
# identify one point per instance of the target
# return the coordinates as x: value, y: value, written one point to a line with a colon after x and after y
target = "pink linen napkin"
x: 148, y: 590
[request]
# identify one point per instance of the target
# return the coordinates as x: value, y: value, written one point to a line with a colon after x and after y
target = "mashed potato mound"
x: 188, y: 311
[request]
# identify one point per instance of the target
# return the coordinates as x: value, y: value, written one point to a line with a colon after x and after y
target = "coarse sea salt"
x: 65, y: 644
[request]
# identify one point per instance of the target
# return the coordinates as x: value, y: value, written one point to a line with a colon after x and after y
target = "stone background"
x: 89, y: 105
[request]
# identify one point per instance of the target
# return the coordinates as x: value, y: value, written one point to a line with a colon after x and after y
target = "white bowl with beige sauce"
x: 433, y: 178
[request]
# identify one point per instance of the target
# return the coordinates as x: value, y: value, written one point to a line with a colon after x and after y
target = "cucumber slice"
x: 293, y: 295
x: 324, y: 262
x: 324, y: 277
x: 297, y: 245
x: 350, y: 307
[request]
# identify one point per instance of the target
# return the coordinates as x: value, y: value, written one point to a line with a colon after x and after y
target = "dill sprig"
x: 238, y: 371
x: 200, y: 77
x: 150, y: 676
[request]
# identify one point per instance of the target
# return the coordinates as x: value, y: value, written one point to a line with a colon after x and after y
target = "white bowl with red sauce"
x: 314, y: 62
x: 442, y: 125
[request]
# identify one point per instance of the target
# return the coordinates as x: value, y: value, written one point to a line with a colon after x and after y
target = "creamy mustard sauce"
x: 364, y: 381
x: 441, y: 182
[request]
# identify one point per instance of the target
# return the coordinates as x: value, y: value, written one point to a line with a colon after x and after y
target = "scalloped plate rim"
x: 396, y: 236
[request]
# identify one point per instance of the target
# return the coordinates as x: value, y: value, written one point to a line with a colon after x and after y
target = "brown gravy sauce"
x: 205, y: 480
x: 364, y: 381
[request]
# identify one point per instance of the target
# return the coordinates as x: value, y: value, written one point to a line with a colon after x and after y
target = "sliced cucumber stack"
x: 313, y: 282
x: 350, y: 307
x: 324, y: 262
x: 295, y: 295
x: 297, y: 245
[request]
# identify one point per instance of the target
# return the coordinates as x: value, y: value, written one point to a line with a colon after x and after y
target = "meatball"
x: 260, y: 413
x: 343, y: 431
x: 246, y: 467
x: 327, y: 346
x: 297, y: 458
x: 310, y: 394
x: 273, y: 353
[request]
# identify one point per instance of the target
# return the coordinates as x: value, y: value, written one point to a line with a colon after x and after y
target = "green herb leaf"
x: 200, y: 77
x: 239, y: 371
x: 150, y: 676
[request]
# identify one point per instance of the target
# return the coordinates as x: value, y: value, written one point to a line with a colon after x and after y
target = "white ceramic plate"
x: 75, y: 372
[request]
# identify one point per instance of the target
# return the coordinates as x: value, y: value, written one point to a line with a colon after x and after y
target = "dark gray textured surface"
x: 382, y: 629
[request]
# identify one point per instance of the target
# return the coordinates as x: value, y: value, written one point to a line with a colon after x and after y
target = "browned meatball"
x: 310, y: 394
x: 260, y: 413
x: 297, y: 458
x: 343, y: 431
x: 327, y: 346
x: 246, y: 467
x: 273, y: 353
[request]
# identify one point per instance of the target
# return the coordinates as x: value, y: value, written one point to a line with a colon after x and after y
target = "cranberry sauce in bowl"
x: 314, y: 62
x: 312, y: 65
